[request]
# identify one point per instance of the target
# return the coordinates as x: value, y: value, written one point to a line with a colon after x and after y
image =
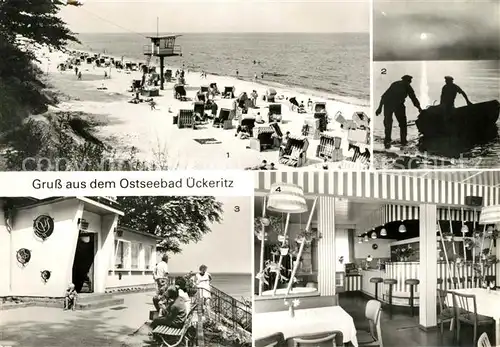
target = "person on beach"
x: 393, y: 102
x: 152, y: 104
x: 70, y: 297
x: 237, y: 73
x: 161, y: 272
x: 255, y: 77
x: 76, y: 71
x: 262, y: 75
x: 272, y: 167
x: 449, y: 94
x: 263, y: 165
x: 309, y: 104
x: 254, y: 97
x: 203, y: 279
x: 259, y: 119
x: 302, y: 107
x: 284, y: 141
x: 80, y: 75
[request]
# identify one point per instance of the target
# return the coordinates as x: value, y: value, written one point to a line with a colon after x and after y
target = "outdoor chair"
x: 329, y: 148
x: 223, y: 120
x: 172, y: 337
x: 275, y: 113
x: 262, y: 138
x: 294, y: 153
x: 374, y: 336
x: 185, y: 119
x: 274, y: 340
x: 331, y: 338
x: 483, y: 341
x: 466, y: 312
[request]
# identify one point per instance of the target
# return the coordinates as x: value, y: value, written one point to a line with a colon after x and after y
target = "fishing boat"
x: 468, y: 122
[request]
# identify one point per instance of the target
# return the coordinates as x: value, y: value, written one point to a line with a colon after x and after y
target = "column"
x: 326, y: 246
x: 105, y: 250
x: 428, y: 266
x: 7, y: 256
x: 497, y: 266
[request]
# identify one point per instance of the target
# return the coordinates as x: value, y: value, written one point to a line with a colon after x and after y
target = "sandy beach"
x: 157, y: 140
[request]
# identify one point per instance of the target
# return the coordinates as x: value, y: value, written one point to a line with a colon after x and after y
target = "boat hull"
x: 468, y: 123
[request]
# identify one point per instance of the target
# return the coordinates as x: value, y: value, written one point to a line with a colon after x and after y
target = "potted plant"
x: 284, y: 248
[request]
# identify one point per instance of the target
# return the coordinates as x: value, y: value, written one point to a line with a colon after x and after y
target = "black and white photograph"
x: 374, y: 258
x: 436, y: 84
x: 93, y: 85
x: 136, y: 271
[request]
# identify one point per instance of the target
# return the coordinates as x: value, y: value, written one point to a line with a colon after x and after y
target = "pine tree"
x: 20, y: 84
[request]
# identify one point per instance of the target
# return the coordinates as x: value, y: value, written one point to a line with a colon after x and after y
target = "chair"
x: 376, y: 280
x: 229, y: 92
x: 294, y: 153
x: 446, y: 311
x: 329, y: 148
x: 374, y: 336
x: 172, y: 337
x: 275, y: 113
x: 262, y: 138
x: 185, y: 119
x: 316, y: 340
x: 412, y: 283
x: 223, y: 117
x: 391, y: 282
x: 483, y: 341
x: 466, y: 312
x: 323, y: 120
x: 273, y: 340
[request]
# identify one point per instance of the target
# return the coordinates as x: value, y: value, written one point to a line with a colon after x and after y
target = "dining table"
x: 305, y: 321
x: 488, y: 304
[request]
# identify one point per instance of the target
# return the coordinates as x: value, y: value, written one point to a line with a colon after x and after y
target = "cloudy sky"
x: 227, y: 248
x: 434, y: 28
x: 218, y: 16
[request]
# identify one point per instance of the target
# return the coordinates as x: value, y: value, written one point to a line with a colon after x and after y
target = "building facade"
x: 47, y: 244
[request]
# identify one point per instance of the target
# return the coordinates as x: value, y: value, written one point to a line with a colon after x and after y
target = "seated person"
x: 284, y: 141
x: 174, y: 310
x: 258, y: 119
x: 70, y: 297
x: 302, y: 108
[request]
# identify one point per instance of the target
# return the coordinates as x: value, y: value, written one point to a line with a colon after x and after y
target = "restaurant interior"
x: 353, y: 261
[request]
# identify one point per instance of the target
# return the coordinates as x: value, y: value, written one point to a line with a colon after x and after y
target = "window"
x: 147, y: 257
x: 135, y: 256
x: 122, y: 252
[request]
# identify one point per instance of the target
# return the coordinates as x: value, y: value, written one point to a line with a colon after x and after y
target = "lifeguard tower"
x: 162, y: 46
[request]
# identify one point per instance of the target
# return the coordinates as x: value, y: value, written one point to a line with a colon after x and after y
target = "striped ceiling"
x: 482, y: 178
x: 444, y: 189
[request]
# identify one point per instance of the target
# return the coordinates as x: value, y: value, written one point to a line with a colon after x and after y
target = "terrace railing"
x: 231, y: 312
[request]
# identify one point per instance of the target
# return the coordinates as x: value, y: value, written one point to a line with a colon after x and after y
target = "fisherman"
x: 393, y: 102
x: 449, y: 93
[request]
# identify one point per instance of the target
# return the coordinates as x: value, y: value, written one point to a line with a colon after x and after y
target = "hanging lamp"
x: 374, y: 234
x: 286, y: 198
x: 383, y: 232
x: 366, y: 238
x: 402, y: 228
x: 360, y: 239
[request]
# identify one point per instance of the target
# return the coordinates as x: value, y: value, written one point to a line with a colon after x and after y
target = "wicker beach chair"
x: 277, y: 130
x: 199, y: 109
x: 247, y: 125
x: 204, y: 89
x: 361, y: 120
x: 270, y: 95
x: 262, y: 138
x: 222, y: 120
x: 180, y: 92
x: 323, y: 120
x: 329, y: 148
x: 294, y: 152
x: 361, y: 154
x: 173, y: 337
x: 213, y: 89
x: 319, y: 107
x: 228, y: 92
x: 186, y: 119
x: 275, y: 113
x: 168, y: 75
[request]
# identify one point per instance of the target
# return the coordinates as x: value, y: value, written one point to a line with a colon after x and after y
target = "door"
x: 83, y: 265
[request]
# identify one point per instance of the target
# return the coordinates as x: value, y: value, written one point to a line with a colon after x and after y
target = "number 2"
x: 383, y: 71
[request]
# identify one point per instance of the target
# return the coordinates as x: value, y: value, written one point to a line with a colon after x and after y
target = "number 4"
x: 278, y: 189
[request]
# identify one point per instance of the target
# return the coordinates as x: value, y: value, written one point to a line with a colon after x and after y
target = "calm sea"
x: 237, y: 285
x: 334, y: 64
x: 479, y: 79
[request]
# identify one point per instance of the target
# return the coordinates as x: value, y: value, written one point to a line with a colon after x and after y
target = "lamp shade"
x: 366, y: 238
x: 286, y: 198
x: 374, y: 235
x: 383, y: 232
x: 402, y: 228
x: 490, y: 215
x: 360, y: 239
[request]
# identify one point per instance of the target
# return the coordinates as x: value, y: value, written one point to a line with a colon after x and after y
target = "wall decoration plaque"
x: 23, y: 256
x: 43, y: 226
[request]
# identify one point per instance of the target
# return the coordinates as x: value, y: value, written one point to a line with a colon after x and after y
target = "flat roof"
x: 143, y: 233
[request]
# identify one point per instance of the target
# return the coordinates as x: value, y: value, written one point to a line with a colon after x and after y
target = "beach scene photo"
x: 436, y: 83
x: 254, y: 85
x: 129, y: 271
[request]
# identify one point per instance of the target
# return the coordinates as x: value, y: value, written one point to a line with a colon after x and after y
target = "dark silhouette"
x: 449, y: 94
x: 393, y: 102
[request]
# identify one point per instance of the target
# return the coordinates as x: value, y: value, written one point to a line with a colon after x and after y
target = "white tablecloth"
x: 488, y: 304
x: 306, y: 321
